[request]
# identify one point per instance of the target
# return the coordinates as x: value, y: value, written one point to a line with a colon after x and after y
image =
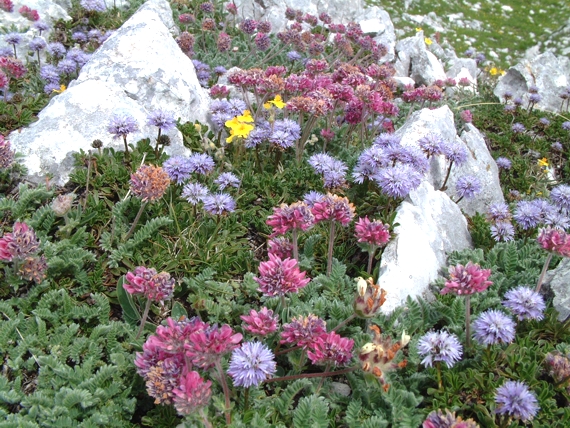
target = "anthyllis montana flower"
x: 278, y: 277
x: 439, y: 419
x: 555, y: 240
x: 205, y: 347
x: 19, y: 244
x: 192, y: 393
x: 288, y: 217
x: 260, y: 323
x: 152, y: 285
x: 302, y: 331
x: 440, y: 347
x: 251, y: 364
x: 525, y: 303
x: 149, y: 183
x: 468, y: 279
x: 331, y: 348
x: 493, y: 327
x: 514, y: 399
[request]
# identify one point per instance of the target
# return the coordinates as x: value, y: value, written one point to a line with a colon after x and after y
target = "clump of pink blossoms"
x: 147, y: 282
x: 466, y: 280
x: 278, y: 277
x: 555, y: 240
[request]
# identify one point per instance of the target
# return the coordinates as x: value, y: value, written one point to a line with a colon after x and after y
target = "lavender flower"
x: 518, y: 128
x: 178, y: 168
x: 79, y: 36
x: 455, y: 153
x: 293, y: 56
x: 13, y: 38
x: 534, y: 98
x: 493, y: 327
x: 398, y: 181
x: 438, y: 419
x: 41, y: 26
x: 56, y: 49
x: 78, y: 56
x: 258, y: 135
x: 219, y: 204
x: 122, y: 124
x: 161, y: 119
x: 467, y: 187
x: 503, y: 163
x: 194, y: 193
x: 513, y: 398
x: 432, y: 144
x: 560, y: 195
x: 385, y: 140
x: 525, y: 303
x: 527, y: 215
x: 557, y: 146
x: 544, y: 121
x: 220, y: 70
x: 227, y: 179
x: 502, y: 231
x: 251, y: 364
x: 94, y: 5
x: 285, y: 133
x: 440, y: 347
x: 566, y: 126
x: 49, y: 73
x: 37, y: 44
x: 67, y: 66
x: 201, y: 163
x: 312, y: 197
x: 498, y: 212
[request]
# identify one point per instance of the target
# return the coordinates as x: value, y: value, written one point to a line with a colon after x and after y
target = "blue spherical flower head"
x: 78, y: 56
x: 312, y: 197
x: 50, y: 74
x: 498, y: 212
x: 527, y: 215
x: 13, y: 38
x: 122, y: 124
x: 503, y: 163
x: 502, y: 231
x: 525, y: 303
x: 293, y: 56
x: 219, y: 204
x: 251, y: 364
x: 493, y: 327
x: 518, y: 128
x: 56, y: 49
x: 440, y: 346
x: 455, y: 153
x: 178, y: 168
x: 432, y: 144
x: 201, y: 163
x: 37, y: 44
x: 67, y: 66
x: 398, y: 181
x: 194, y: 193
x: 227, y: 179
x: 467, y: 187
x: 513, y: 398
x: 560, y: 195
x: 163, y: 120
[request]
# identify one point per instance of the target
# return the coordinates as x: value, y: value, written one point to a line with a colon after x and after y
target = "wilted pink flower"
x: 370, y: 298
x: 372, y: 232
x: 278, y: 277
x: 555, y: 240
x: 34, y: 269
x: 186, y: 18
x: 206, y: 347
x: 261, y: 323
x: 19, y: 244
x: 302, y: 331
x: 6, y: 152
x: 154, y: 286
x: 289, y: 217
x: 468, y: 279
x: 149, y: 183
x: 192, y: 393
x: 331, y: 348
x: 466, y: 116
x: 334, y: 208
x: 280, y: 247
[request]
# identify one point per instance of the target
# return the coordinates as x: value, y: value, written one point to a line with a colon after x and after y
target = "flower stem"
x: 439, y: 381
x: 330, y: 252
x: 207, y: 423
x: 468, y: 321
x: 311, y: 375
x: 345, y: 322
x: 544, y: 269
x: 295, y: 245
x: 137, y: 218
x: 224, y: 383
x: 144, y: 317
x: 443, y: 186
x: 322, y: 380
x: 370, y: 260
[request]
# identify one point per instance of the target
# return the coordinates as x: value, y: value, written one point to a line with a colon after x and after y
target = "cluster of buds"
x: 558, y: 366
x: 377, y: 357
x: 369, y: 299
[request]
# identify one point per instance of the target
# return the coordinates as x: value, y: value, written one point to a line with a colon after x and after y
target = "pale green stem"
x: 135, y: 222
x: 544, y: 269
x: 144, y: 317
x: 331, y: 246
x: 468, y: 320
x: 226, y: 390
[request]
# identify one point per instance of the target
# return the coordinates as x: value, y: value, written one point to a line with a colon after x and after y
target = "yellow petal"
x: 232, y: 123
x: 428, y: 41
x: 278, y: 101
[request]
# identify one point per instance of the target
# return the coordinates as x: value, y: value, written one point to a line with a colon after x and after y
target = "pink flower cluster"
x: 554, y: 240
x: 7, y: 5
x: 288, y: 217
x: 19, y: 244
x: 322, y: 348
x: 334, y: 208
x: 147, y: 282
x: 280, y: 247
x: 169, y: 356
x: 278, y: 277
x: 374, y: 233
x: 29, y: 14
x: 12, y: 67
x: 466, y: 280
x: 260, y: 323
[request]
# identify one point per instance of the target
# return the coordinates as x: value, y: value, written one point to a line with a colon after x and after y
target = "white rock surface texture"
x: 414, y: 60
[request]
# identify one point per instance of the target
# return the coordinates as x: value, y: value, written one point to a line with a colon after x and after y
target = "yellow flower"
x: 543, y: 162
x: 428, y: 41
x: 198, y: 127
x: 232, y: 122
x: 503, y: 72
x: 494, y: 71
x: 240, y: 130
x: 418, y: 29
x: 245, y: 117
x: 61, y: 89
x: 277, y: 102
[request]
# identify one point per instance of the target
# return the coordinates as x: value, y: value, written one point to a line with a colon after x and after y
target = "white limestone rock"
x: 557, y: 281
x: 415, y: 61
x: 430, y: 227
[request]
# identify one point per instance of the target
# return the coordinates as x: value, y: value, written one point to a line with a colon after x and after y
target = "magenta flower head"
x: 493, y: 327
x: 280, y: 247
x: 6, y: 153
x: 554, y: 240
x: 278, y: 277
x: 302, y: 331
x: 251, y: 364
x: 374, y: 233
x: 288, y: 217
x: 149, y: 183
x: 439, y: 419
x: 206, y: 347
x: 334, y: 208
x: 152, y: 285
x: 525, y: 303
x: 515, y: 400
x: 440, y: 347
x: 192, y: 393
x: 466, y: 116
x: 468, y: 279
x: 331, y: 348
x: 19, y: 244
x: 260, y: 323
x: 175, y: 334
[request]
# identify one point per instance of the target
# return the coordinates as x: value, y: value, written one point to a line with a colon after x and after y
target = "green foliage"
x: 311, y: 412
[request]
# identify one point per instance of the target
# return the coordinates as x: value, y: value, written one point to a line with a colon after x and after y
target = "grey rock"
x: 479, y: 163
x: 551, y: 74
x: 430, y: 227
x: 461, y: 64
x: 341, y: 388
x: 415, y: 61
x: 137, y: 70
x: 557, y: 280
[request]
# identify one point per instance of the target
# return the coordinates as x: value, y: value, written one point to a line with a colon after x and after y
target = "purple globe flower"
x: 566, y: 126
x: 560, y: 195
x: 41, y: 26
x: 78, y: 56
x: 503, y: 163
x: 251, y: 364
x: 385, y: 140
x: 293, y: 56
x: 259, y: 134
x: 67, y: 66
x: 467, y: 187
x: 518, y: 128
x: 93, y: 5
x: 513, y: 398
x: 13, y: 38
x: 37, y: 44
x: 194, y: 193
x: 122, y: 124
x: 498, y: 212
x: 79, y: 36
x: 525, y: 303
x: 219, y: 204
x: 557, y: 146
x: 312, y: 197
x: 440, y: 347
x: 398, y: 181
x: 201, y: 163
x: 50, y: 74
x: 164, y: 120
x: 527, y: 215
x: 493, y: 327
x: 178, y: 168
x: 227, y: 179
x: 455, y: 153
x: 432, y: 144
x: 56, y: 49
x: 502, y: 231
